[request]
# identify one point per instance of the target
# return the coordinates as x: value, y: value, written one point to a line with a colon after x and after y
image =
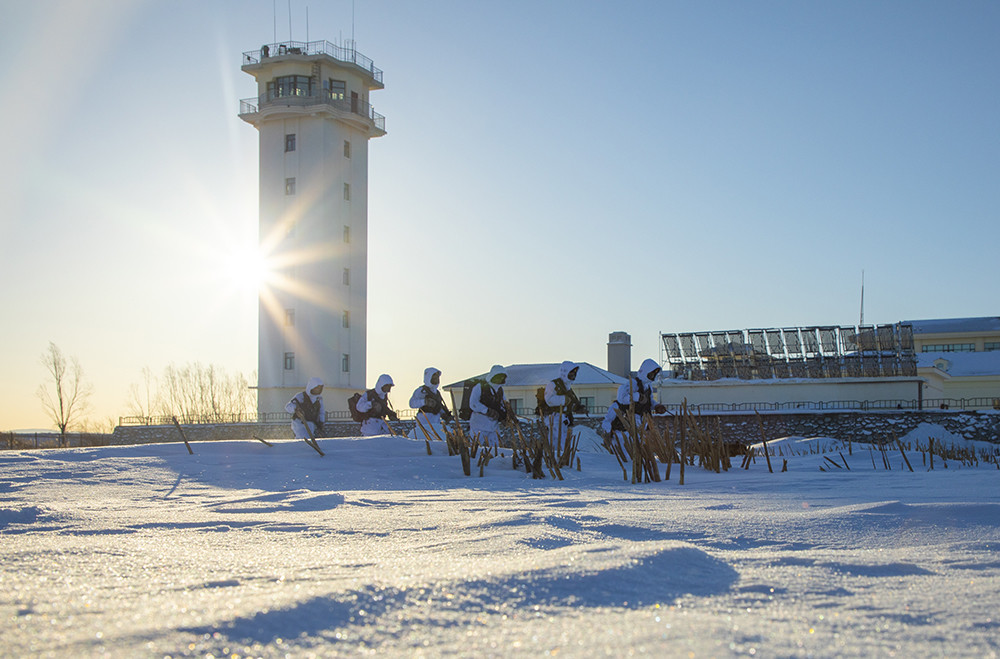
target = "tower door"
x: 354, y: 102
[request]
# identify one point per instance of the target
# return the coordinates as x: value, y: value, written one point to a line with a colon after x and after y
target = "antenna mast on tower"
x: 862, y: 321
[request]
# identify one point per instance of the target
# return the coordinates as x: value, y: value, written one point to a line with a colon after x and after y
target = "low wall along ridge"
x: 735, y: 428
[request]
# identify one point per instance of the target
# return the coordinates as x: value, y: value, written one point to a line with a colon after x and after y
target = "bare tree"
x: 69, y: 396
x: 194, y: 392
x: 141, y: 399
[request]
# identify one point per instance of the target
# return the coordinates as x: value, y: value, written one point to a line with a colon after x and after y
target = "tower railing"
x: 340, y: 53
x: 353, y: 106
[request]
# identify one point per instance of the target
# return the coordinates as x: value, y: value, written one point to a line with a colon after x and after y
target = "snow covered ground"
x: 247, y: 550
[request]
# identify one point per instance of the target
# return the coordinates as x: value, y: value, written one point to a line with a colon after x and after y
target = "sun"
x: 245, y: 270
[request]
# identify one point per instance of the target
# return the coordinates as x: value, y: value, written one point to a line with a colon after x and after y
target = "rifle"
x: 311, y: 441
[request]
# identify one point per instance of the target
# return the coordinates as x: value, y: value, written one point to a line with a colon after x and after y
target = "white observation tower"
x: 314, y: 121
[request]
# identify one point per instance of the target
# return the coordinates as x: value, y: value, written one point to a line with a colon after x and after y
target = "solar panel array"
x: 793, y: 352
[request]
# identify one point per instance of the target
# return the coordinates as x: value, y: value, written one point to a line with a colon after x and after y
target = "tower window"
x: 347, y: 234
x: 289, y: 142
x: 290, y: 186
x: 347, y: 276
x: 345, y: 363
x: 347, y: 192
x: 290, y: 317
x: 289, y: 361
x: 289, y: 86
x: 347, y: 149
x: 949, y: 347
x: 335, y: 89
x: 347, y: 319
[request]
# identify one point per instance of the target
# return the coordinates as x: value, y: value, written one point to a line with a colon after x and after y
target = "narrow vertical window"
x: 347, y: 276
x: 289, y: 361
x: 289, y: 142
x: 345, y: 362
x: 347, y: 192
x: 290, y: 186
x: 290, y: 317
x: 347, y: 148
x: 347, y: 234
x: 347, y: 319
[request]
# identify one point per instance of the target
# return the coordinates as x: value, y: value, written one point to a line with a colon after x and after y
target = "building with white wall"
x: 947, y: 362
x: 314, y: 120
x: 956, y: 334
x: 959, y: 359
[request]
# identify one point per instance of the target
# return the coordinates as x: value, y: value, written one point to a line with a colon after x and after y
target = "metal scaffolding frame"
x: 792, y: 352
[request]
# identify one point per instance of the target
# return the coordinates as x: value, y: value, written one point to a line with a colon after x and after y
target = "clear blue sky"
x: 552, y: 172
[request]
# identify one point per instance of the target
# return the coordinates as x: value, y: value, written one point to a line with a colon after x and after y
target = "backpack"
x: 352, y: 405
x: 464, y: 410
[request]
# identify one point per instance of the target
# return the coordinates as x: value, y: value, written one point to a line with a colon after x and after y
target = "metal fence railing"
x: 38, y: 440
x: 345, y: 54
x: 346, y: 105
x: 262, y: 417
x: 847, y: 405
x: 599, y: 410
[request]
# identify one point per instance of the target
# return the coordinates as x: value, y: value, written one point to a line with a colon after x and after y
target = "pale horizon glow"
x: 551, y: 173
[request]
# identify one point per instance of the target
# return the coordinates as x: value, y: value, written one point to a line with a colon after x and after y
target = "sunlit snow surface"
x: 247, y: 550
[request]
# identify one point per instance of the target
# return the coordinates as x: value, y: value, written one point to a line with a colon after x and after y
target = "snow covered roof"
x: 955, y: 325
x: 963, y: 364
x: 538, y: 374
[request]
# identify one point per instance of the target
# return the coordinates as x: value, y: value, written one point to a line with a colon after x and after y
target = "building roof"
x: 519, y: 375
x: 955, y: 325
x: 964, y: 364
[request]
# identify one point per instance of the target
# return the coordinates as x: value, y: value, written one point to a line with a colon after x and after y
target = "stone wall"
x: 848, y: 426
x: 735, y: 428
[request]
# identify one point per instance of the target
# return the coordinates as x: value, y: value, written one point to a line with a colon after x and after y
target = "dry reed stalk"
x: 901, y: 452
x: 671, y: 447
x: 683, y: 457
x: 763, y: 440
x: 629, y: 440
x: 655, y: 440
x: 569, y: 452
x: 427, y: 439
x: 191, y: 452
x: 484, y: 460
x: 532, y: 455
x: 520, y: 444
x: 614, y: 446
x: 466, y: 460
